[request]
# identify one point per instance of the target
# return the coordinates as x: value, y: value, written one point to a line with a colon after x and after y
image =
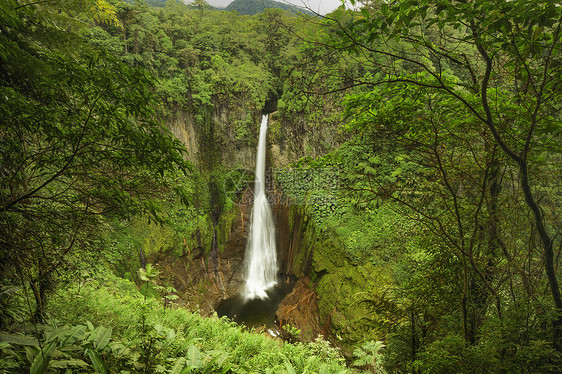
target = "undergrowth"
x: 104, y: 324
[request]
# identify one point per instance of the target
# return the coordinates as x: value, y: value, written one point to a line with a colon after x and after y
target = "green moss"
x: 275, y: 130
x: 225, y: 226
x: 328, y: 255
x: 302, y: 253
x: 348, y: 299
x: 325, y: 253
x: 155, y: 238
x: 350, y: 293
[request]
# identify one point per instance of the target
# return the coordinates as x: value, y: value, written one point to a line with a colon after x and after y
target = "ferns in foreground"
x: 108, y: 326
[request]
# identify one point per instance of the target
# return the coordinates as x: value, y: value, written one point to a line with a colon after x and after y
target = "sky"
x: 320, y: 6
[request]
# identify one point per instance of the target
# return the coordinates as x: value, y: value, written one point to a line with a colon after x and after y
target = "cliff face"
x: 229, y: 137
x: 216, y: 142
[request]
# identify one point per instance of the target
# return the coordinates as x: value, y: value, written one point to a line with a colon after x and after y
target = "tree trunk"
x: 39, y: 287
x: 548, y: 252
x: 414, y: 343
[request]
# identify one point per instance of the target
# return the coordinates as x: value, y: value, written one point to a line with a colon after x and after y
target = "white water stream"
x: 261, y: 254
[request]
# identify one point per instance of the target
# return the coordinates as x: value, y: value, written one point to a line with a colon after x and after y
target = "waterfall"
x: 261, y: 254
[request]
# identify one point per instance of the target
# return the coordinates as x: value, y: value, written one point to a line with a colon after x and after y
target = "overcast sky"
x: 320, y: 6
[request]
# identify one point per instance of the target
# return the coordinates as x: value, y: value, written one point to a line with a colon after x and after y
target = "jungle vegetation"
x: 437, y: 210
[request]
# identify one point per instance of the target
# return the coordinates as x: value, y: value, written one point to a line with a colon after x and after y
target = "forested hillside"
x: 414, y: 163
x: 251, y: 7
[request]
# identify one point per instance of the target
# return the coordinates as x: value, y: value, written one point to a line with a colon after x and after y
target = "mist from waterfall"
x: 261, y: 254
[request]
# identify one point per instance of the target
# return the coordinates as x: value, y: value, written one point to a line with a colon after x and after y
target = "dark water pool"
x: 255, y: 312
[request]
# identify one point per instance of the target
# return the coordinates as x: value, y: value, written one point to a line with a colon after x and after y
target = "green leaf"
x: 219, y: 355
x: 193, y: 357
x: 97, y: 362
x: 53, y: 335
x: 178, y: 366
x: 384, y: 8
x: 63, y: 364
x: 226, y: 368
x: 290, y: 368
x: 102, y: 336
x: 41, y: 362
x: 142, y: 275
x: 171, y: 334
x: 31, y: 352
x: 538, y: 32
x: 75, y: 333
x: 9, y: 290
x: 423, y: 12
x: 18, y: 339
x: 159, y: 328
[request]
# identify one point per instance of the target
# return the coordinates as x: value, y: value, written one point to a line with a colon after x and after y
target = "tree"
x: 200, y: 4
x: 79, y: 143
x: 500, y: 62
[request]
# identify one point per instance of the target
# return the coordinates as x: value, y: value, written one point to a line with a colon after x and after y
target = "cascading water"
x: 258, y: 301
x: 261, y: 254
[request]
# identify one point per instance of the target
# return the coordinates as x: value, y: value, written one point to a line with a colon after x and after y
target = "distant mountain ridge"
x: 246, y: 7
x: 251, y: 7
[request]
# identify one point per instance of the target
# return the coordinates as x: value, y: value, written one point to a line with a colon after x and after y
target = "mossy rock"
x: 348, y: 297
x: 327, y: 254
x: 157, y: 238
x: 226, y: 224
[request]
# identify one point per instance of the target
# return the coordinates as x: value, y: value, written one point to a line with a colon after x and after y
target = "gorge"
x: 409, y: 218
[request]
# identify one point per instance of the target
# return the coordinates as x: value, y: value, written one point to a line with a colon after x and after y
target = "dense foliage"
x: 79, y: 143
x: 457, y: 129
x: 103, y: 323
x: 85, y: 162
x: 431, y: 230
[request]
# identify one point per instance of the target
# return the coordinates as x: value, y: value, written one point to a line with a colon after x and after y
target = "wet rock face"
x: 202, y: 283
x: 299, y: 309
x: 202, y: 280
x: 231, y: 134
